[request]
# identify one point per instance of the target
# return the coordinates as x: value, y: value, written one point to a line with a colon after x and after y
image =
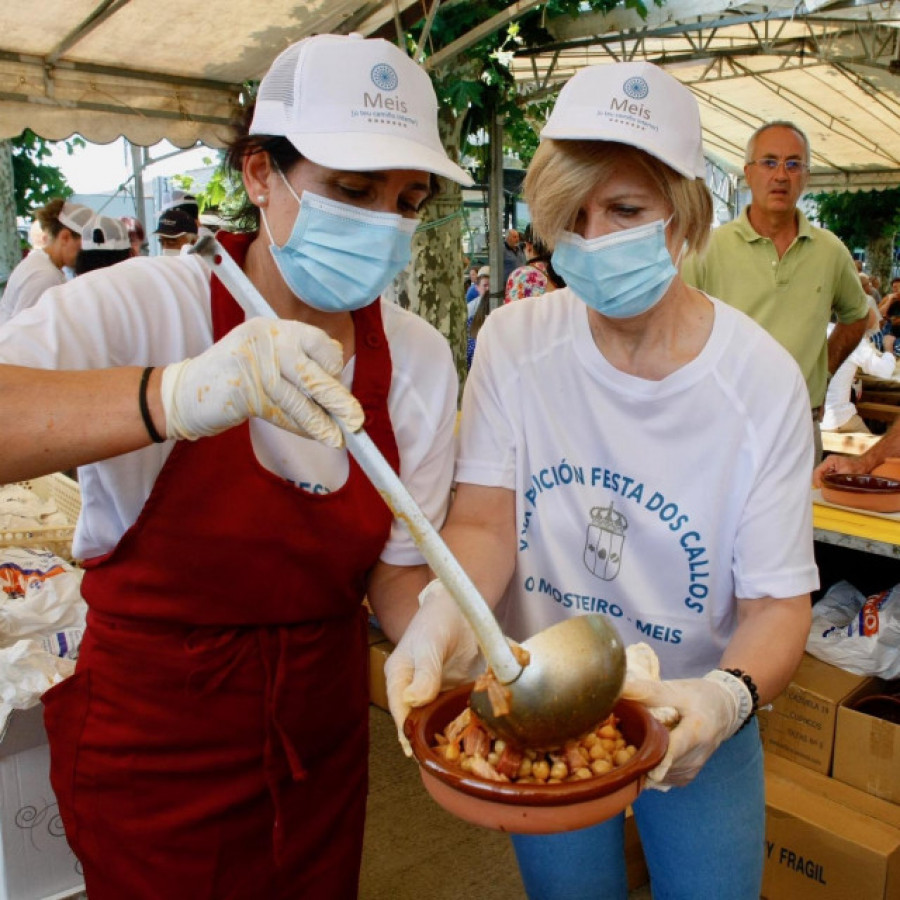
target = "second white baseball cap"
x: 105, y: 233
x: 75, y: 216
x: 352, y: 103
x: 634, y: 103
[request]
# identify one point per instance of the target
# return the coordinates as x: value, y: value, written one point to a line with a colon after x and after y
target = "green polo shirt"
x: 793, y: 298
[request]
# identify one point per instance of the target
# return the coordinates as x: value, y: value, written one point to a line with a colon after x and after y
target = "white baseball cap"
x: 349, y: 103
x: 74, y: 216
x: 634, y: 103
x: 105, y: 233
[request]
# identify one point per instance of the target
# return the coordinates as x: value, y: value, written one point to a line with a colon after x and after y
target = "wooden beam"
x: 495, y: 23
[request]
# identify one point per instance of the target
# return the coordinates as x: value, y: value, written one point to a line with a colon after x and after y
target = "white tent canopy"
x: 833, y: 68
x: 152, y: 69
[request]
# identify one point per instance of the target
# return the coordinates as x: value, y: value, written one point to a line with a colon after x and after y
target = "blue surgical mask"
x: 620, y: 275
x: 339, y: 257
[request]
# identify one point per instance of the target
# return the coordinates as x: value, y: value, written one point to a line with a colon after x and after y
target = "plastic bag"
x: 857, y: 633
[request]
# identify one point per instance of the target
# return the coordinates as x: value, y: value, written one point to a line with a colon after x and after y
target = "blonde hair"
x: 563, y: 173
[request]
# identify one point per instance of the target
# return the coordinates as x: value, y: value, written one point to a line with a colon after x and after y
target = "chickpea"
x: 601, y: 766
x: 608, y: 732
x: 525, y: 768
x: 621, y: 757
x: 598, y: 751
x: 559, y: 770
x: 541, y: 770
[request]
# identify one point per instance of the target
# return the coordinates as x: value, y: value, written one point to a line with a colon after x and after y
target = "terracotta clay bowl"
x: 868, y: 492
x: 890, y: 468
x: 533, y: 808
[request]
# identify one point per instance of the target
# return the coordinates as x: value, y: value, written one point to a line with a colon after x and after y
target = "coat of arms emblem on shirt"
x: 604, y: 542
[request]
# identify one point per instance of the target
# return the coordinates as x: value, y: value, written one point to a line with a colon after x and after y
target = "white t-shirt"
x: 655, y: 503
x: 866, y: 356
x: 28, y: 280
x: 156, y: 311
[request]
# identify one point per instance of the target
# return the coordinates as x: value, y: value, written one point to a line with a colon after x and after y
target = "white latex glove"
x: 641, y: 662
x: 278, y: 370
x: 438, y: 651
x: 711, y: 709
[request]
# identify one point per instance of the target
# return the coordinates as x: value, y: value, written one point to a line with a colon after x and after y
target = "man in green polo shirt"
x: 785, y: 273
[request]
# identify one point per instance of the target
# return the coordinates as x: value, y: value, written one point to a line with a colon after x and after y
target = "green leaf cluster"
x: 861, y: 217
x: 35, y: 181
x: 480, y: 85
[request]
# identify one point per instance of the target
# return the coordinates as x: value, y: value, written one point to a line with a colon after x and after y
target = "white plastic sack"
x: 26, y: 671
x: 40, y: 596
x: 857, y: 633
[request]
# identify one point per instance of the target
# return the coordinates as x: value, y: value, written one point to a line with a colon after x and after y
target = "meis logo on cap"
x: 385, y: 78
x: 636, y: 89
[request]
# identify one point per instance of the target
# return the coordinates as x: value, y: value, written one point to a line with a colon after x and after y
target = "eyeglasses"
x: 791, y: 166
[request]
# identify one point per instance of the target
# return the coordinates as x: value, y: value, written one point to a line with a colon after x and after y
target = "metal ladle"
x: 576, y: 667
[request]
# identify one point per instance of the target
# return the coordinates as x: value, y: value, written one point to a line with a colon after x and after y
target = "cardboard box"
x: 867, y: 749
x: 36, y: 863
x: 820, y: 849
x: 378, y: 654
x: 801, y: 724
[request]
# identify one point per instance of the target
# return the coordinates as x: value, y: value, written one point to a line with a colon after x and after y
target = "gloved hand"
x: 279, y: 370
x: 711, y: 710
x: 641, y: 662
x: 438, y: 651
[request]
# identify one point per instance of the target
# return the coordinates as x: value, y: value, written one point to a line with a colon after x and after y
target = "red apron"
x: 213, y: 740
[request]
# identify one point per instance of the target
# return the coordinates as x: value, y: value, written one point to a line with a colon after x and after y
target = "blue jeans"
x: 701, y: 842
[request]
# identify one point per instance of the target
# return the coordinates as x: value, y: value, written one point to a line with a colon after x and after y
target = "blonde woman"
x: 638, y: 449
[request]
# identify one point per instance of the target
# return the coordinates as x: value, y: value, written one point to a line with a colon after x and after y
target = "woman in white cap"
x: 104, y: 241
x: 620, y: 453
x: 213, y: 739
x: 61, y: 222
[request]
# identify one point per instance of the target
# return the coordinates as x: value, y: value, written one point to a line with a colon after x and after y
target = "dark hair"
x: 282, y: 152
x: 88, y: 260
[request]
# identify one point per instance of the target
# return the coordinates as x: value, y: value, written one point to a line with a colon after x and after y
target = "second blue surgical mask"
x: 339, y: 257
x: 622, y: 274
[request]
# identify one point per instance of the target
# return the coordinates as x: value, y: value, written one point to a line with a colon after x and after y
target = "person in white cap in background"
x: 61, y: 223
x: 640, y: 449
x: 176, y: 230
x: 212, y: 741
x: 104, y: 241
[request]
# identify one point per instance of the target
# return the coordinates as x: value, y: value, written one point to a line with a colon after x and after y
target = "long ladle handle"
x: 370, y: 459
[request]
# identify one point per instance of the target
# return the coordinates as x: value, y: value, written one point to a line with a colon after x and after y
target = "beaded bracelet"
x: 155, y: 436
x: 754, y: 693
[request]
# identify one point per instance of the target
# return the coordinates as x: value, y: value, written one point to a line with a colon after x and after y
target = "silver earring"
x: 262, y: 198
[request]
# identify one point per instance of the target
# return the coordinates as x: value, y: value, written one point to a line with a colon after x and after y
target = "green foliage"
x: 860, y: 218
x: 223, y: 194
x: 480, y: 84
x: 36, y: 182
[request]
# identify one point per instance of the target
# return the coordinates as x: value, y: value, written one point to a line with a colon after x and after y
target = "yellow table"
x: 857, y: 530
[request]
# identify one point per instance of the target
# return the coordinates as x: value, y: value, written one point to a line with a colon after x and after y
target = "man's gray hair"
x: 780, y: 123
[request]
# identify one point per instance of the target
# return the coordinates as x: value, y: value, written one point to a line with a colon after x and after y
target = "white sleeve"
x: 773, y: 554
x: 422, y: 405
x: 487, y: 451
x: 872, y: 362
